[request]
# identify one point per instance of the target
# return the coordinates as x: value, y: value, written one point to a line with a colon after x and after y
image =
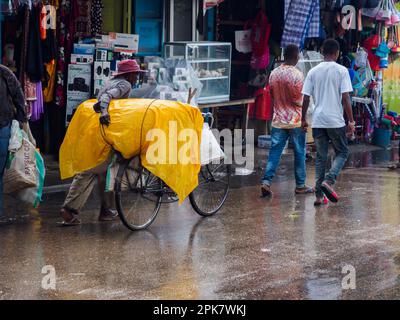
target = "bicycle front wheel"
x: 210, y: 195
x: 138, y: 196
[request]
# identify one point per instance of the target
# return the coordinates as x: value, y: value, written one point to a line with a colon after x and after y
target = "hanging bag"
x: 243, y: 42
x: 260, y: 33
x: 384, y: 12
x: 362, y: 80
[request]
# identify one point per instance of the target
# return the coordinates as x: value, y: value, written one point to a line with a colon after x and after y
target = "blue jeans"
x: 5, y: 134
x: 279, y: 139
x: 339, y: 142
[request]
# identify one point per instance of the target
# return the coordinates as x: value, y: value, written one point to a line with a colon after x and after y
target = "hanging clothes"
x: 49, y: 85
x: 29, y: 89
x: 96, y: 17
x: 65, y: 32
x: 302, y: 20
x: 275, y: 12
x: 37, y: 108
x: 34, y: 61
x: 22, y: 42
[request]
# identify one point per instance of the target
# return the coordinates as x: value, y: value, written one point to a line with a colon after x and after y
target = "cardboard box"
x: 74, y: 100
x: 79, y: 78
x: 98, y: 85
x: 104, y: 55
x: 80, y: 48
x: 102, y: 70
x: 124, y: 42
x: 81, y: 58
x: 101, y: 55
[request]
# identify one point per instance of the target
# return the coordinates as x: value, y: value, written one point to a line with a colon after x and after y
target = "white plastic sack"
x: 16, y: 137
x: 361, y: 58
x: 33, y: 195
x: 20, y: 172
x: 243, y: 41
x: 210, y: 150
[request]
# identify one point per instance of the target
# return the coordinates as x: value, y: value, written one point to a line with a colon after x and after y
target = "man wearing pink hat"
x: 119, y: 87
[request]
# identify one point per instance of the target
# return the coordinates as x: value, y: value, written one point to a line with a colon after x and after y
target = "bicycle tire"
x: 122, y: 197
x: 206, y: 179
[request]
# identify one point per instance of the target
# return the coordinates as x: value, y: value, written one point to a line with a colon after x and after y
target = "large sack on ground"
x: 20, y: 172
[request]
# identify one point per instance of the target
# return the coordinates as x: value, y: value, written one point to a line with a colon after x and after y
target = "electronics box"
x: 81, y: 58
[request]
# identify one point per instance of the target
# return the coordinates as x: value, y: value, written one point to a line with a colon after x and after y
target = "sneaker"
x: 329, y: 192
x: 321, y: 202
x: 108, y: 215
x: 266, y: 191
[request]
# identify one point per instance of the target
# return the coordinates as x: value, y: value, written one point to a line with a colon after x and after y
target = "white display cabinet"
x: 212, y: 63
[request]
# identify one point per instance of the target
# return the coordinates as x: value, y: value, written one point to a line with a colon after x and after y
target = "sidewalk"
x: 54, y: 184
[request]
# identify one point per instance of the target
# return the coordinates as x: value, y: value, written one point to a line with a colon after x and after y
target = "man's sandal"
x: 69, y: 218
x: 394, y: 166
x: 266, y: 191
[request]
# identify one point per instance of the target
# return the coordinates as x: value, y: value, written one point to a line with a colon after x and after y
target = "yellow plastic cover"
x: 166, y: 134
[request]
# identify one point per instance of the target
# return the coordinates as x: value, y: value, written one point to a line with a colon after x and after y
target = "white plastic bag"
x: 16, y: 137
x: 243, y: 41
x: 210, y: 150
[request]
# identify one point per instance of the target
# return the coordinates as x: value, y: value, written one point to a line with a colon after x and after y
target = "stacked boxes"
x: 78, y: 87
x: 102, y: 73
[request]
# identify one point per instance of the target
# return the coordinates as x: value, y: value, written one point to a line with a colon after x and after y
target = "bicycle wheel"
x: 138, y: 196
x: 210, y: 195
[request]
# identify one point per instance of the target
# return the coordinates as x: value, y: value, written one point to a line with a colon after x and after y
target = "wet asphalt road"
x: 281, y: 248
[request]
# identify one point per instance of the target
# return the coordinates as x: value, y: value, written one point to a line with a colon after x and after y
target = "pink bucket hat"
x: 127, y: 66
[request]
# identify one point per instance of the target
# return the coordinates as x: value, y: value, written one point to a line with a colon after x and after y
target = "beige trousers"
x: 82, y: 186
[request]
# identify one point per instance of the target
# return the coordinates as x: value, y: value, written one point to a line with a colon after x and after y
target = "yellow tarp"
x: 179, y: 124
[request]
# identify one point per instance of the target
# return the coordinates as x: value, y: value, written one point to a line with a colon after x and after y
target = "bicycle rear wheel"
x: 138, y: 196
x: 210, y: 195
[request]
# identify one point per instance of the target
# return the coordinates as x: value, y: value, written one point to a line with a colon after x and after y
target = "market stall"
x: 368, y: 33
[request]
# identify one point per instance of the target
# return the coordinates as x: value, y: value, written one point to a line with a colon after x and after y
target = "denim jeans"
x: 339, y: 142
x: 279, y: 139
x: 5, y: 134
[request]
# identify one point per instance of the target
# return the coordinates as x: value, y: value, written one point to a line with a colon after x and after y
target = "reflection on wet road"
x: 281, y: 248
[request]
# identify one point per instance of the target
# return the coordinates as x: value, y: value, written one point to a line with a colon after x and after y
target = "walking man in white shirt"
x: 330, y: 86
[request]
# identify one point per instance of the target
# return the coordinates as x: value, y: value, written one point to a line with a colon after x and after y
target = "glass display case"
x: 212, y: 64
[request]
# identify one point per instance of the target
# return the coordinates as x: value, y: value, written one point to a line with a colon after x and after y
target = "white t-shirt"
x: 326, y: 83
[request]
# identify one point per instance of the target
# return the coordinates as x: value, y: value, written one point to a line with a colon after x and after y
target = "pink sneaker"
x: 329, y: 192
x: 321, y: 202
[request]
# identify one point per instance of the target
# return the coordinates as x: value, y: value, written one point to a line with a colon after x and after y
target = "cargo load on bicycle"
x: 165, y: 134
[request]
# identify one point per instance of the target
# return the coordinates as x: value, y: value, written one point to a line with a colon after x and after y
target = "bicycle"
x: 139, y: 194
